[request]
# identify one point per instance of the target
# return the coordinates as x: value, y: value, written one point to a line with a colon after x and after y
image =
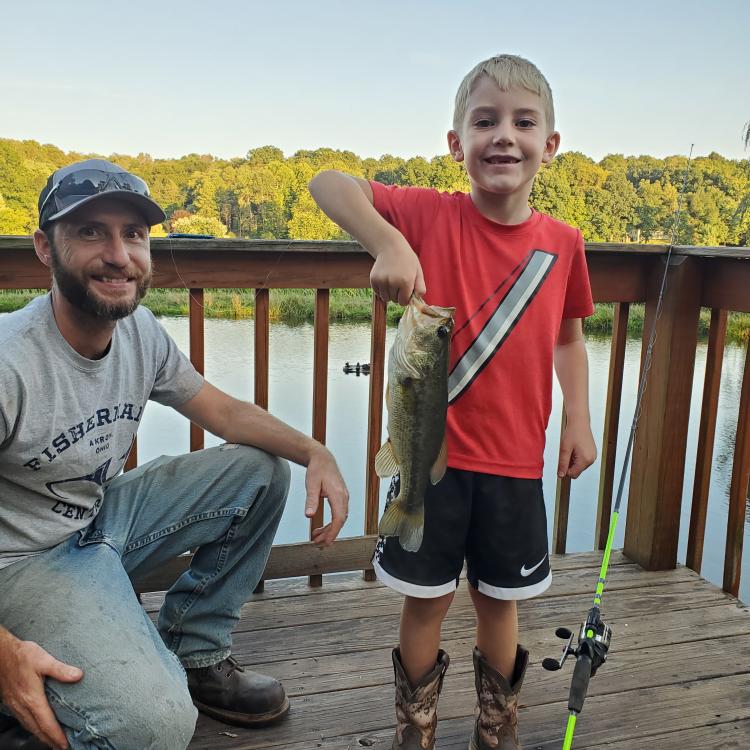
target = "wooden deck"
x: 678, y: 675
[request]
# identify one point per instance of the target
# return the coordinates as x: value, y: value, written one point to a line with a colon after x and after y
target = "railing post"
x: 738, y: 490
x: 320, y: 393
x: 562, y: 506
x: 197, y: 356
x: 375, y: 418
x: 706, y: 434
x: 656, y: 478
x: 611, y: 423
x: 261, y: 349
x: 262, y: 312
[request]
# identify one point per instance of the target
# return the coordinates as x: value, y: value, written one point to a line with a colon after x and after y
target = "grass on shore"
x: 295, y: 306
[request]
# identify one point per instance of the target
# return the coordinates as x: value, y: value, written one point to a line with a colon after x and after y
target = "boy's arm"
x: 577, y: 447
x: 348, y: 200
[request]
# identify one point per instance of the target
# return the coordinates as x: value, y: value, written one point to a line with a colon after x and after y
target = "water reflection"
x: 229, y: 364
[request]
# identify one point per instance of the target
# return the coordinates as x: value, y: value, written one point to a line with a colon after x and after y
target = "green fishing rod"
x: 595, y: 635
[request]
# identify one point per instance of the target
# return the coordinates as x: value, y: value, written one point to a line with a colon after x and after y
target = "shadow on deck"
x: 678, y: 675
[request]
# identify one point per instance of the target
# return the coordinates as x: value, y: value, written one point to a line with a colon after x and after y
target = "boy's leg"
x: 507, y: 559
x: 78, y: 604
x: 428, y: 578
x: 419, y: 634
x: 497, y: 631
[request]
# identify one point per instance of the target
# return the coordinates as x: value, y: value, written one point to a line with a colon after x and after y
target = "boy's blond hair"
x: 508, y: 71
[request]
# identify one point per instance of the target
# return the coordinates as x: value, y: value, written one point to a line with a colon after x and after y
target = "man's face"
x: 504, y: 139
x: 101, y: 258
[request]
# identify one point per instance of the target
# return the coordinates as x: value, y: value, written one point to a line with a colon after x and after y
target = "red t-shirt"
x: 511, y: 286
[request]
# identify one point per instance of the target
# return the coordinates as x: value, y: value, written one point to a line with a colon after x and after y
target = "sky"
x: 222, y: 77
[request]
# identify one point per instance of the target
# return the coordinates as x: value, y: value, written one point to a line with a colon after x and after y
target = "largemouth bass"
x: 417, y: 400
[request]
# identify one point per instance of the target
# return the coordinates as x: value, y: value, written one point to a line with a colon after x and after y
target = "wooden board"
x: 678, y: 675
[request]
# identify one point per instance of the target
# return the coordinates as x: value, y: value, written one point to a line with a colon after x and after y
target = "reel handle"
x: 551, y: 665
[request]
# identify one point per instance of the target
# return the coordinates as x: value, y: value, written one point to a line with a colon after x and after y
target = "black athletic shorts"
x: 497, y: 524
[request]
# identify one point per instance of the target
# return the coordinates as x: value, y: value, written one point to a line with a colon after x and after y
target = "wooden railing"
x: 717, y: 278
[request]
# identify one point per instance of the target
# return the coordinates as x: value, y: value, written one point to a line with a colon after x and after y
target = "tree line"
x: 264, y: 194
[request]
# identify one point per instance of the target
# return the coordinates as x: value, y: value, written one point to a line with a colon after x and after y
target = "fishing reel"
x: 591, y: 652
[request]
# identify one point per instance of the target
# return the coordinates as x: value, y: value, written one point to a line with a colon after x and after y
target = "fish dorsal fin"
x: 386, y: 464
x: 438, y: 468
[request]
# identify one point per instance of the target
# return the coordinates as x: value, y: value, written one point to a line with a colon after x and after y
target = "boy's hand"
x: 577, y: 450
x: 397, y: 273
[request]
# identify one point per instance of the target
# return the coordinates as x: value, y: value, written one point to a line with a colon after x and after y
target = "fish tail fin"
x: 407, y: 526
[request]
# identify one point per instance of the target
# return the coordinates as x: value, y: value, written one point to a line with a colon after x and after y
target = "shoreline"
x: 297, y: 306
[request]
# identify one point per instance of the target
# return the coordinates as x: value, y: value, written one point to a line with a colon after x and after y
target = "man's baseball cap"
x: 71, y: 187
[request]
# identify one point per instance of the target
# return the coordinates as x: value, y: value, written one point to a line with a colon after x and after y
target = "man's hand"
x: 323, y: 480
x: 396, y: 273
x: 23, y: 667
x: 577, y: 450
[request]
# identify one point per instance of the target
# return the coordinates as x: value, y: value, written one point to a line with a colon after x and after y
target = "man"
x: 81, y: 665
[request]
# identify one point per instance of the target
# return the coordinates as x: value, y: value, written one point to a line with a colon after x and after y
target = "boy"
x: 519, y: 283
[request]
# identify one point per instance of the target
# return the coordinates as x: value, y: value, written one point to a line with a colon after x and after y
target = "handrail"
x: 717, y: 278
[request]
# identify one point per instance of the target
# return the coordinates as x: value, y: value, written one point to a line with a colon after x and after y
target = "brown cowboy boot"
x: 496, y: 727
x: 416, y: 707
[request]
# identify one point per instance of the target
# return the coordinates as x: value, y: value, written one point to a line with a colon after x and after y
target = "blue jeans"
x: 76, y: 600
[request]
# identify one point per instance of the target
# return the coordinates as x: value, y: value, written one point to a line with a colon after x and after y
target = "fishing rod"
x: 595, y: 636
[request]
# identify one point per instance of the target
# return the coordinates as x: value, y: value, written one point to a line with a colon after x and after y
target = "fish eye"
x: 442, y: 331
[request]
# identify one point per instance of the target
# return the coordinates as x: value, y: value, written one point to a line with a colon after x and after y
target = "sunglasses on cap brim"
x: 86, y: 183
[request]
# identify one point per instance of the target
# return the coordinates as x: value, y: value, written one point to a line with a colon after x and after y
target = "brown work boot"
x: 231, y: 693
x: 416, y: 707
x: 496, y: 727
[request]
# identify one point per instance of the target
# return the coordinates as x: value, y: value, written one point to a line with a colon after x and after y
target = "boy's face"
x: 503, y: 140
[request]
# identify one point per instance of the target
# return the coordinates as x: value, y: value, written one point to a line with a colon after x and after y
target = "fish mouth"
x: 432, y: 311
x: 419, y: 314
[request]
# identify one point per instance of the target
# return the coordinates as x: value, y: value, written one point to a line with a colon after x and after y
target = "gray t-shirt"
x: 67, y: 423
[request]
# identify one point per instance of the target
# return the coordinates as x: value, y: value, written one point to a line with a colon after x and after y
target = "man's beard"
x: 87, y: 302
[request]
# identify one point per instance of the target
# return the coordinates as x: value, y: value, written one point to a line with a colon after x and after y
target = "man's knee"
x: 264, y: 470
x: 161, y: 717
x: 164, y: 723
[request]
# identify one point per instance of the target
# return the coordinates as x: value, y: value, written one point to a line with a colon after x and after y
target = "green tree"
x: 416, y: 171
x: 264, y: 155
x: 197, y: 224
x: 14, y: 220
x: 447, y: 175
x: 657, y: 203
x: 264, y: 194
x: 552, y: 194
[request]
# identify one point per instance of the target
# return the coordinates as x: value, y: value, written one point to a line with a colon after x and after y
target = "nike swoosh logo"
x: 526, y: 572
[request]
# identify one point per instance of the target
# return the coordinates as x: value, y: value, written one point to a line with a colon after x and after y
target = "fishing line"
x: 595, y: 635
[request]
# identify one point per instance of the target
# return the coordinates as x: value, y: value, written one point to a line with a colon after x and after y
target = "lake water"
x: 229, y: 365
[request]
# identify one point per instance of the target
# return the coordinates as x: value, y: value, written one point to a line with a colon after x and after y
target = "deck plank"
x: 678, y: 676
